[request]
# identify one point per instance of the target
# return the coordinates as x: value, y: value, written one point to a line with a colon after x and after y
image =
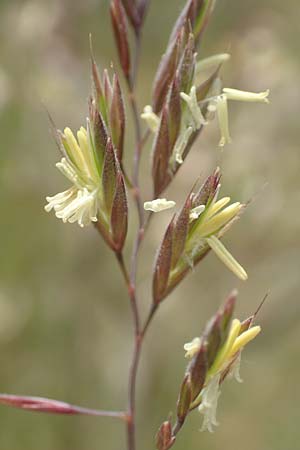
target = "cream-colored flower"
x: 74, y: 206
x: 159, y: 204
x: 81, y: 202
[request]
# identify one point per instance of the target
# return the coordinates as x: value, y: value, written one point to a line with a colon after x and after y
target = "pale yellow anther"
x: 244, y: 96
x: 67, y: 170
x: 222, y: 112
x: 88, y: 156
x: 225, y: 350
x: 216, y: 207
x: 181, y: 144
x: 244, y: 338
x: 83, y: 130
x: 75, y: 150
x: 217, y: 221
x: 226, y: 257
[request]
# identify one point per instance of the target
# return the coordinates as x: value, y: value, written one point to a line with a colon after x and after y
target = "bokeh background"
x: 64, y: 316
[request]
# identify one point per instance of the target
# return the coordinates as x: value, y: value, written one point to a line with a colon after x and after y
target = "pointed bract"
x: 197, y: 13
x: 117, y: 117
x: 163, y: 265
x: 227, y: 312
x: 108, y: 89
x: 133, y: 13
x: 181, y: 225
x: 186, y: 66
x: 119, y: 24
x: 213, y: 337
x: 109, y: 176
x: 174, y: 112
x: 164, y: 437
x: 142, y: 8
x: 119, y: 214
x: 161, y: 155
x: 184, y: 399
x: 167, y: 68
x: 100, y: 135
x: 197, y: 370
x: 98, y: 90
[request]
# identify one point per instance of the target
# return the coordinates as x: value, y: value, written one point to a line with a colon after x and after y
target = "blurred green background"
x: 64, y: 316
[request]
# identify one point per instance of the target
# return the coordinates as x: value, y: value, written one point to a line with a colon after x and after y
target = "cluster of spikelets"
x: 192, y: 232
x: 181, y: 106
x: 93, y: 165
x: 187, y: 95
x: 214, y: 356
